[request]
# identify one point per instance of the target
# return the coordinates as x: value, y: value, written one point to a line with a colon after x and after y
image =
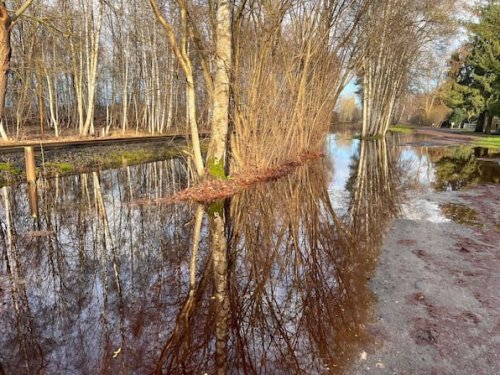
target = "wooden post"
x: 33, y: 199
x: 29, y: 157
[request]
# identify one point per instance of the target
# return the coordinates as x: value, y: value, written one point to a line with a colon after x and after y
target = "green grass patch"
x: 492, y: 142
x: 402, y: 129
x: 60, y: 168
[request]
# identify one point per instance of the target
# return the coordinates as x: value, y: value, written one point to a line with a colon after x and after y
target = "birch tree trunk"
x: 93, y: 38
x: 125, y: 88
x: 52, y: 105
x: 182, y: 56
x: 220, y: 105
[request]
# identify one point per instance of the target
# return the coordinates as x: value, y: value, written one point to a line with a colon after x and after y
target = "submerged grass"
x: 369, y: 138
x: 120, y: 158
x: 461, y: 214
x: 62, y: 164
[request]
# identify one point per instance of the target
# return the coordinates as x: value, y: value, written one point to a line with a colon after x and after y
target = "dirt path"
x: 438, y: 289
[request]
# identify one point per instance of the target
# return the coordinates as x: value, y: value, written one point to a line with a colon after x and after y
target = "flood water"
x: 273, y: 281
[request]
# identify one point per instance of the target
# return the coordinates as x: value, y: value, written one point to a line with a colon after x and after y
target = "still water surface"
x: 92, y: 283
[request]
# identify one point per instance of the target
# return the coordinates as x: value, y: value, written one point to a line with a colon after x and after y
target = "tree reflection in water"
x: 269, y: 282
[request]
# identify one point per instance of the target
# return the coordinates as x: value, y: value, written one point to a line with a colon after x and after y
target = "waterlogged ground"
x: 290, y: 277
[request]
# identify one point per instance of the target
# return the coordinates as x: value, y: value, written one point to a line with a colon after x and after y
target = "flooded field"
x: 273, y: 281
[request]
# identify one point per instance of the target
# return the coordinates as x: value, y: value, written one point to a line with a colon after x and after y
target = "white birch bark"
x: 93, y: 36
x: 52, y: 106
x: 220, y: 105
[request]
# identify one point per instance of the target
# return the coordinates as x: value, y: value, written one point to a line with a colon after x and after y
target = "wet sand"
x: 437, y: 284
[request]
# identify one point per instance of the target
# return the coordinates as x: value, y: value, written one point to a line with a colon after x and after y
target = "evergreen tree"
x: 485, y: 60
x: 474, y: 87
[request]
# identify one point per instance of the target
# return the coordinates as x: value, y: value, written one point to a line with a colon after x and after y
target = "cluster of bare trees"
x: 82, y: 66
x: 256, y: 73
x: 348, y: 110
x: 88, y: 65
x: 395, y: 35
x: 271, y: 73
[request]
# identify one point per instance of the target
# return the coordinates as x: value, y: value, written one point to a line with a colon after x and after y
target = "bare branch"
x: 21, y: 10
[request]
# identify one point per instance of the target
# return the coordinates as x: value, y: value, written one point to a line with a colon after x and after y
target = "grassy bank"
x: 488, y: 141
x: 72, y: 161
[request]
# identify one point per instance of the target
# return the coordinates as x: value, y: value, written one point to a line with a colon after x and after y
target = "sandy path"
x: 438, y: 289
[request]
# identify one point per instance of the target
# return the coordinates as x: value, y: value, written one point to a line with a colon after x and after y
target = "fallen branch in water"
x: 212, y: 189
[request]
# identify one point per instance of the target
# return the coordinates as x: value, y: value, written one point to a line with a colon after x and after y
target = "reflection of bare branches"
x: 299, y: 291
x: 182, y: 325
x: 282, y: 289
x: 67, y: 301
x: 376, y: 194
x: 25, y: 326
x: 218, y: 246
x: 107, y: 235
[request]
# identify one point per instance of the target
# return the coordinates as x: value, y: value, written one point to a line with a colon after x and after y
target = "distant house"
x: 495, y: 125
x: 470, y: 125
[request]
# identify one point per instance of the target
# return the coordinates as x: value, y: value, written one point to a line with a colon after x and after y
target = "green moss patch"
x: 216, y: 208
x: 10, y: 169
x: 9, y: 173
x: 215, y: 168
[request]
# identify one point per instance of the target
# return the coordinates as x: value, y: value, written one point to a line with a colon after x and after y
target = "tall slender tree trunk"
x: 489, y: 123
x: 125, y: 88
x: 5, y: 51
x: 94, y: 38
x: 39, y: 94
x: 191, y: 109
x: 6, y: 23
x: 180, y: 51
x: 52, y: 105
x: 220, y: 105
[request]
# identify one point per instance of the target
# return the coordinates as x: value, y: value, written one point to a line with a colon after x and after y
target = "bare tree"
x: 394, y: 34
x: 7, y: 22
x: 348, y: 109
x: 180, y: 49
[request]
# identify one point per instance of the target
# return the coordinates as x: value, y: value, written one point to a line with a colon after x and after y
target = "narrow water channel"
x: 273, y: 281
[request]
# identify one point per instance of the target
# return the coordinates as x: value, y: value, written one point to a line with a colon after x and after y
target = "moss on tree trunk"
x: 215, y: 168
